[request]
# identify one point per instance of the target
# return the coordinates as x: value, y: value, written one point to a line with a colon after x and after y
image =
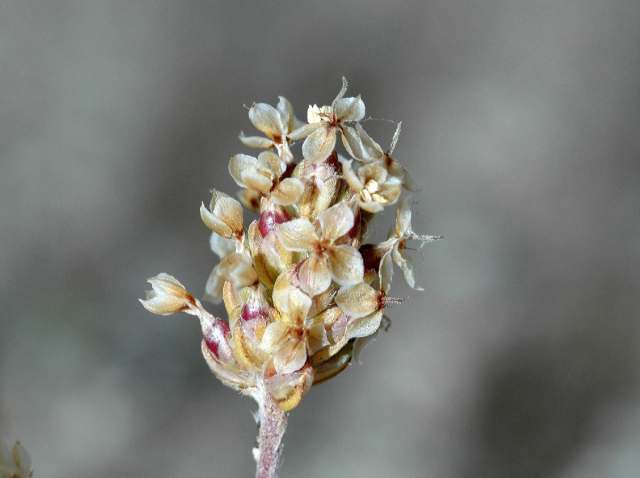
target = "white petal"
x: 314, y: 275
x: 319, y: 144
x: 258, y: 180
x: 373, y: 149
x: 346, y: 265
x: 349, y: 109
x: 353, y: 144
x: 349, y: 175
x: 221, y: 246
x: 297, y: 235
x: 336, y: 221
x: 291, y: 357
x: 228, y: 210
x: 304, y: 131
x: 163, y: 304
x: 274, y: 336
x: 258, y: 142
x: 269, y: 161
x: 364, y: 326
x: 287, y: 192
x: 403, y: 219
x: 385, y: 274
x: 214, y: 223
x: 213, y: 287
x: 292, y: 304
x: 266, y: 119
x: 372, y: 171
x: 370, y: 206
x: 239, y: 164
x: 286, y: 113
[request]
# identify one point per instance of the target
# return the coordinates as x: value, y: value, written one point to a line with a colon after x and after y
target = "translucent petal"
x: 385, y: 274
x: 304, y: 131
x: 314, y: 276
x: 316, y: 338
x: 349, y: 109
x: 346, y: 265
x: 403, y: 219
x: 286, y: 113
x: 213, y: 287
x: 258, y: 142
x: 406, y: 268
x: 269, y: 161
x: 238, y: 269
x: 349, y: 175
x: 239, y: 164
x: 266, y: 119
x: 319, y: 144
x: 364, y: 326
x: 221, y: 246
x: 287, y: 192
x: 336, y: 221
x: 291, y: 356
x: 274, y: 335
x: 250, y: 199
x: 163, y: 304
x: 370, y: 206
x: 358, y: 300
x: 214, y: 223
x: 258, y: 180
x: 391, y: 191
x: 372, y: 172
x: 166, y: 284
x: 292, y: 304
x: 353, y: 144
x: 297, y: 235
x: 228, y: 210
x: 373, y: 149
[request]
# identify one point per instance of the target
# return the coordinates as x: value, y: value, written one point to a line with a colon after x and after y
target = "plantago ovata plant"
x: 301, y: 288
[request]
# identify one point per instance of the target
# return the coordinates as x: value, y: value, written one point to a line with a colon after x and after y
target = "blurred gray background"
x: 521, y: 358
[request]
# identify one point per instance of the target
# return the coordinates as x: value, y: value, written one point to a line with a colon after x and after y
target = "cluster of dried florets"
x: 300, y: 286
x: 14, y: 462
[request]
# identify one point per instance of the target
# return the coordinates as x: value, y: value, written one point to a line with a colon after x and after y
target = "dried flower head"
x: 301, y: 288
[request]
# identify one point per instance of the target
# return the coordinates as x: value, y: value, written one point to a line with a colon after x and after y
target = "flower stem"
x: 273, y: 423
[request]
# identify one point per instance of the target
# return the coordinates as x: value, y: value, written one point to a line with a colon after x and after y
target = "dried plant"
x: 301, y: 288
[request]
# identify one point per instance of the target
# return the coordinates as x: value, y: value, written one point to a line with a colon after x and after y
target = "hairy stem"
x: 273, y: 423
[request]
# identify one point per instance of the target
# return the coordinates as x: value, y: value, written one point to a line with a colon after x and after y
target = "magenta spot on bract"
x: 252, y: 312
x: 268, y: 221
x: 212, y: 345
x: 224, y: 325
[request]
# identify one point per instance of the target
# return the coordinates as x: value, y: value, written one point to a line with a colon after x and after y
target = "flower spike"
x: 302, y: 291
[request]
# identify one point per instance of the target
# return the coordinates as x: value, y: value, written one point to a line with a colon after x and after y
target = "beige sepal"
x: 224, y: 215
